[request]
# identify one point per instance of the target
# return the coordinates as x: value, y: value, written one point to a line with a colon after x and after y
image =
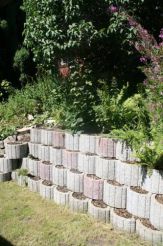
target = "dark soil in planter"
x: 159, y: 198
x: 89, y: 154
x: 75, y: 171
x: 1, y: 156
x: 35, y: 178
x: 62, y: 189
x: 123, y: 213
x: 113, y: 182
x: 24, y: 138
x: 148, y: 224
x: 47, y: 183
x: 60, y: 166
x: 57, y: 148
x: 99, y: 204
x: 138, y: 189
x: 13, y: 143
x: 47, y: 162
x: 79, y: 196
x: 93, y: 176
x: 33, y: 158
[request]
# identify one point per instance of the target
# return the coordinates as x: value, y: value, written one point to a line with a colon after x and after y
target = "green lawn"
x: 28, y: 220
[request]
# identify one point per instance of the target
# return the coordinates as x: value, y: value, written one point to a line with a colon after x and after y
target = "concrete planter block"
x: 105, y: 168
x: 35, y: 135
x: 138, y: 202
x: 87, y: 163
x: 87, y: 143
x: 156, y: 213
x: 106, y: 147
x: 93, y: 187
x: 44, y: 154
x: 72, y: 141
x: 45, y: 170
x: 34, y: 149
x: 47, y: 136
x: 70, y: 159
x: 22, y: 180
x: 115, y: 194
x: 8, y: 165
x: 59, y: 176
x: 154, y: 182
x: 16, y: 150
x: 123, y: 220
x: 34, y: 167
x: 75, y: 180
x: 129, y: 174
x: 61, y: 195
x: 124, y: 152
x: 34, y: 184
x: 148, y: 234
x: 5, y: 177
x: 56, y: 156
x: 78, y: 202
x: 14, y: 175
x: 24, y: 163
x: 100, y: 212
x: 46, y: 190
x: 58, y: 139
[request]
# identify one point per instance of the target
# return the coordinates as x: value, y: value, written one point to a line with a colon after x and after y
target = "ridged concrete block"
x: 99, y: 213
x: 105, y: 168
x: 44, y: 154
x: 154, y: 236
x: 47, y: 136
x: 122, y: 223
x: 87, y: 143
x: 45, y: 170
x: 59, y: 176
x: 5, y: 176
x: 34, y: 167
x: 125, y: 153
x: 87, y: 163
x: 93, y: 187
x: 61, y: 197
x: 34, y: 184
x: 106, y: 147
x: 78, y: 205
x: 14, y: 175
x: 46, y: 191
x: 156, y: 213
x: 16, y: 150
x: 70, y: 159
x: 8, y: 165
x: 138, y: 204
x: 75, y: 181
x: 129, y: 174
x: 154, y: 182
x: 24, y: 163
x: 58, y: 139
x: 35, y: 135
x: 56, y: 156
x: 115, y: 195
x: 34, y: 149
x: 72, y: 141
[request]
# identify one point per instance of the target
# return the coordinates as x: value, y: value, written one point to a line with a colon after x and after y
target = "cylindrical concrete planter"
x: 156, y: 211
x: 45, y: 170
x: 129, y: 174
x: 154, y: 182
x: 35, y: 135
x: 114, y: 194
x: 105, y: 168
x: 34, y: 184
x: 61, y: 195
x: 75, y: 180
x: 21, y: 180
x: 93, y: 187
x: 99, y: 210
x: 58, y: 139
x: 148, y: 233
x: 87, y: 163
x: 8, y: 165
x: 56, y: 156
x: 59, y: 176
x: 78, y: 202
x: 5, y: 176
x: 124, y: 152
x: 46, y: 189
x: 138, y: 202
x: 72, y: 141
x: 87, y: 143
x: 123, y: 220
x: 34, y: 167
x: 70, y: 159
x: 34, y: 150
x: 106, y: 147
x: 14, y: 175
x: 24, y: 163
x: 16, y: 150
x: 44, y: 154
x: 47, y: 136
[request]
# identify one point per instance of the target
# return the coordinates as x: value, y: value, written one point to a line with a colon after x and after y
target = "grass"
x: 27, y: 219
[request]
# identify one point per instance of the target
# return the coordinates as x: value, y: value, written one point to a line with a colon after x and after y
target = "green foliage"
x: 22, y: 172
x: 3, y: 25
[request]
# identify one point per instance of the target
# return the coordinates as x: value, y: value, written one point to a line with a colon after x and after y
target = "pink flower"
x: 113, y: 9
x: 143, y: 59
x: 161, y: 33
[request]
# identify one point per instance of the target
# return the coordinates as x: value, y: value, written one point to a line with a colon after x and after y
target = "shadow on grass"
x: 4, y: 242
